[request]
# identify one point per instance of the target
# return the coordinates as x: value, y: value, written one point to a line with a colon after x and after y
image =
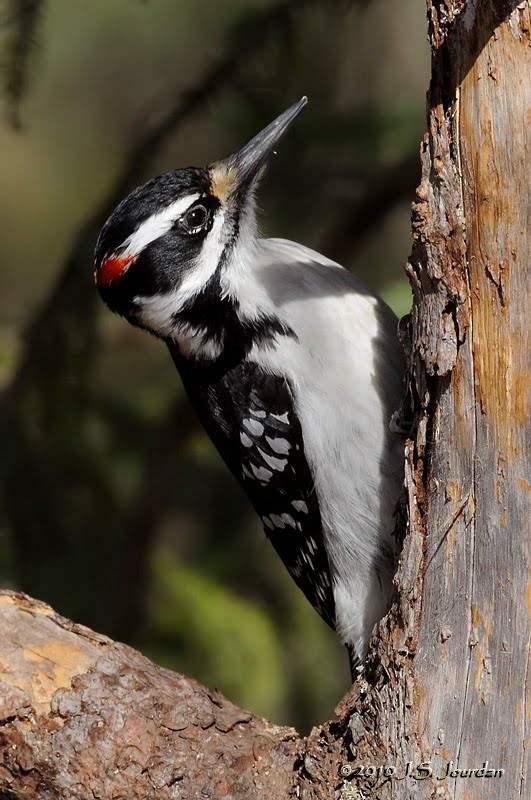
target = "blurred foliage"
x: 113, y: 505
x: 231, y: 637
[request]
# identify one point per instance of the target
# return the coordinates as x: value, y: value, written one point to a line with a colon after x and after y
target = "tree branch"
x: 83, y: 716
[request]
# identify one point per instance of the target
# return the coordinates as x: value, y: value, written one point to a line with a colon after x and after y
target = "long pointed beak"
x: 249, y: 161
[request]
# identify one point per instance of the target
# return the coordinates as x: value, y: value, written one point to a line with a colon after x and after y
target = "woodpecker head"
x: 171, y: 238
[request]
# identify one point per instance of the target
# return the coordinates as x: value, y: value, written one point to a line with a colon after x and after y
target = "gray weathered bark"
x: 81, y: 716
x: 465, y: 616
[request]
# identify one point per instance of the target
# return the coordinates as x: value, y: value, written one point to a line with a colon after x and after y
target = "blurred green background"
x: 114, y: 507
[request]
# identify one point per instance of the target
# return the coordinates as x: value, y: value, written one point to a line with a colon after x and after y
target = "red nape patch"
x: 112, y: 268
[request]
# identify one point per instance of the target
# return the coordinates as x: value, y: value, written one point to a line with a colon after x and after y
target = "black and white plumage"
x: 294, y: 367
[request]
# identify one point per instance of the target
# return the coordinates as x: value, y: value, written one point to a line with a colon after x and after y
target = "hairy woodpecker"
x: 293, y: 365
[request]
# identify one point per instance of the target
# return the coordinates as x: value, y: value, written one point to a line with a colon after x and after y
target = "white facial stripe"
x: 158, y: 312
x: 157, y: 225
x: 207, y: 262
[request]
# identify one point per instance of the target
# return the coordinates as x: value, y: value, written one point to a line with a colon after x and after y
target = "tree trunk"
x: 472, y: 346
x: 451, y: 686
x: 446, y: 681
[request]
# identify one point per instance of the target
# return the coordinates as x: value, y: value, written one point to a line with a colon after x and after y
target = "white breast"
x: 346, y: 368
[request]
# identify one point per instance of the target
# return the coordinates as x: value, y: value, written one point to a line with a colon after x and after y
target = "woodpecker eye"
x: 195, y: 219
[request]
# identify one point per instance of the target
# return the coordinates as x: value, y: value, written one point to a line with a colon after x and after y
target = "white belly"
x: 345, y: 368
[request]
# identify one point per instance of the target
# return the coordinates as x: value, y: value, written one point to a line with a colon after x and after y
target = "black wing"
x: 250, y: 417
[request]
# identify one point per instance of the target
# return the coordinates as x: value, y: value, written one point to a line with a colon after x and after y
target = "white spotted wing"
x: 250, y: 416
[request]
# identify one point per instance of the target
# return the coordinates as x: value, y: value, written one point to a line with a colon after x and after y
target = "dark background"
x: 113, y: 506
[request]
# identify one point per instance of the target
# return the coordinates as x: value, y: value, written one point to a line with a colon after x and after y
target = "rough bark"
x: 447, y: 676
x: 451, y: 681
x: 475, y: 627
x: 83, y: 717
